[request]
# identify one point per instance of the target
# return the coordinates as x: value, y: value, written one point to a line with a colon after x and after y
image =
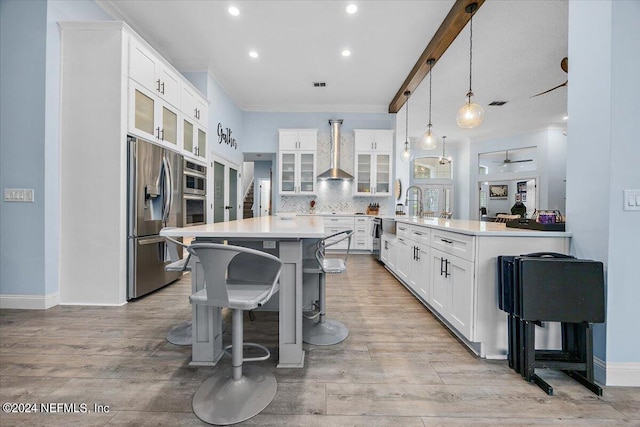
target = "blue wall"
x: 29, y: 139
x: 22, y: 134
x: 261, y: 129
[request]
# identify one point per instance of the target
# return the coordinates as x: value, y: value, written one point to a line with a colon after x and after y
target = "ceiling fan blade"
x: 547, y: 91
x: 521, y: 161
x: 564, y: 64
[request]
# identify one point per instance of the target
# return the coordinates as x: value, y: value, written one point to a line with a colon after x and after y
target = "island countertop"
x: 265, y: 227
x: 478, y: 228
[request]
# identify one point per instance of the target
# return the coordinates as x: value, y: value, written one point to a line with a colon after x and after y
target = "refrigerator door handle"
x: 168, y: 190
x: 143, y: 242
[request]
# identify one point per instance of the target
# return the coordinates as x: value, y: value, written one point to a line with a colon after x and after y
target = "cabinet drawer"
x: 420, y: 235
x: 460, y: 245
x: 402, y: 230
x: 339, y: 222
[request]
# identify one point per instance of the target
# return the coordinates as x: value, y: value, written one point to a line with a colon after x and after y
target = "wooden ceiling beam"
x: 452, y: 25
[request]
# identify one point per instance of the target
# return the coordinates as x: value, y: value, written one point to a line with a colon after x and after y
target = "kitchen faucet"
x: 419, y: 200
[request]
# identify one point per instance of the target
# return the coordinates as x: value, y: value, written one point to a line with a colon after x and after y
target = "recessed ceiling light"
x: 346, y: 52
x: 352, y: 8
x: 234, y: 11
x: 253, y: 54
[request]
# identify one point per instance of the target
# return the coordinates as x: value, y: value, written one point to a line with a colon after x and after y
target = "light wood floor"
x: 398, y: 367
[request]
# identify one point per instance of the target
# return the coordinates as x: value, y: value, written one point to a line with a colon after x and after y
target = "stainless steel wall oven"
x: 195, y: 178
x: 194, y: 199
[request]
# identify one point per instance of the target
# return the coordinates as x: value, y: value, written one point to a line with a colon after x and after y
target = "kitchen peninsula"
x: 450, y: 266
x: 292, y: 240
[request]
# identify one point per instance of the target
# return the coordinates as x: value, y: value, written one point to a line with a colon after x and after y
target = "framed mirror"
x: 430, y: 167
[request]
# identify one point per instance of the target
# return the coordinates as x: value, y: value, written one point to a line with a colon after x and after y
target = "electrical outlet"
x: 269, y: 244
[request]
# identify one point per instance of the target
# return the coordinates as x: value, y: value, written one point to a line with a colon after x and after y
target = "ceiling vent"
x: 319, y: 84
x: 498, y: 103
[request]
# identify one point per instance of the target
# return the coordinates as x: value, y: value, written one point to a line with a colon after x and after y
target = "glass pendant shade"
x: 428, y: 140
x: 407, y: 153
x: 470, y: 115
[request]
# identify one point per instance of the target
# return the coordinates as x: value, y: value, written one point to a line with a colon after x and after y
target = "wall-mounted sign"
x: 224, y: 135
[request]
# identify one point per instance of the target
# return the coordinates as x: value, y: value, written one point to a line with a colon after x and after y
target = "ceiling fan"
x: 564, y: 64
x: 507, y: 160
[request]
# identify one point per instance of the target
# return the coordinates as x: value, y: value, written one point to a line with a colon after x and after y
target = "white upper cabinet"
x: 193, y: 106
x: 373, y: 139
x: 151, y: 117
x: 298, y: 139
x: 373, y: 158
x: 150, y: 72
x: 163, y: 106
x: 297, y: 158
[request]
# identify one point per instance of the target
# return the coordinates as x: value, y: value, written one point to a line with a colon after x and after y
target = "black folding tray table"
x: 549, y: 287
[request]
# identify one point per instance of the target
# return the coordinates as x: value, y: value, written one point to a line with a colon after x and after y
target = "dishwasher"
x: 376, y: 232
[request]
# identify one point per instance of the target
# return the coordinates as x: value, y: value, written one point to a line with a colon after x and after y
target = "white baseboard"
x: 30, y: 302
x: 616, y: 374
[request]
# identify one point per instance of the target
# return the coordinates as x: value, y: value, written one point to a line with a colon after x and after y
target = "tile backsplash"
x: 335, y: 196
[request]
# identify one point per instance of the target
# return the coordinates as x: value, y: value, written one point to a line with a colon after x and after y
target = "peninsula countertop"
x: 272, y: 227
x: 478, y: 228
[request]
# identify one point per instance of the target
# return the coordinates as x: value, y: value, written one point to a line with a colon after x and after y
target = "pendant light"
x: 407, y: 152
x: 444, y: 160
x: 470, y: 114
x: 428, y: 140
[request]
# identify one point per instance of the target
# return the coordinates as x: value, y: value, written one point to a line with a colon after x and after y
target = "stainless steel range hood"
x: 334, y: 172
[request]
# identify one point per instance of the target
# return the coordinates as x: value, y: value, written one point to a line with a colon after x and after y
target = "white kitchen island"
x: 292, y: 241
x: 451, y: 267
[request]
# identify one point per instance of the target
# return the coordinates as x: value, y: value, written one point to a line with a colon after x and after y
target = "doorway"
x: 224, y: 201
x: 264, y: 197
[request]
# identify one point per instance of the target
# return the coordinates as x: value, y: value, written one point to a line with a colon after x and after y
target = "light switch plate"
x: 631, y: 200
x: 18, y: 194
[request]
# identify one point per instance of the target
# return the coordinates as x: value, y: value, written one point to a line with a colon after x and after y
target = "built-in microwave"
x: 195, y: 209
x: 195, y: 179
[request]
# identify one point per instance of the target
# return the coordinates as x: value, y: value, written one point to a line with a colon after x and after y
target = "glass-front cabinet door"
x: 288, y: 173
x: 307, y: 173
x: 201, y: 148
x: 187, y: 136
x: 373, y: 174
x: 152, y: 118
x: 298, y: 173
x: 363, y: 173
x: 383, y: 174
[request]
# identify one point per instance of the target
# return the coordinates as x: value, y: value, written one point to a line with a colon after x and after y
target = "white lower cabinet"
x: 452, y: 290
x: 388, y: 251
x: 403, y: 260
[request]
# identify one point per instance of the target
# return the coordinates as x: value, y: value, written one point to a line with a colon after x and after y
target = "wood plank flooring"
x: 398, y: 367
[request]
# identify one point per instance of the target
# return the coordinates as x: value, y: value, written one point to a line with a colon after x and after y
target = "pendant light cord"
x: 406, y: 126
x: 470, y: 94
x: 430, y: 69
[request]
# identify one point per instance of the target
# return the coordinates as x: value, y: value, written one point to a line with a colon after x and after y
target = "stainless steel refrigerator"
x: 154, y: 177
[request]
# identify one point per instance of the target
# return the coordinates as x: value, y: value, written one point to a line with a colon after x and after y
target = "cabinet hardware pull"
x: 162, y: 91
x: 158, y: 132
x: 446, y: 268
x: 376, y: 145
x: 401, y: 228
x: 417, y: 253
x: 447, y: 241
x: 441, y: 268
x: 162, y: 131
x: 158, y: 87
x: 195, y: 113
x: 402, y: 240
